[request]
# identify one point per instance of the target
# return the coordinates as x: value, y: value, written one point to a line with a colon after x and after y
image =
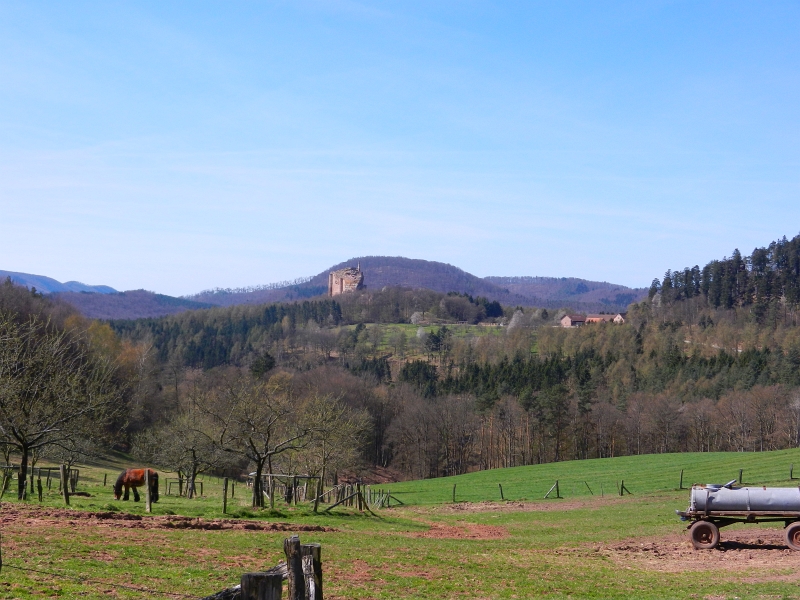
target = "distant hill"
x: 569, y: 290
x: 104, y: 302
x: 381, y: 271
x: 134, y: 304
x: 48, y: 285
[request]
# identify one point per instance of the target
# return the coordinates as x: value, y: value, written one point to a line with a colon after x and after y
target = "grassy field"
x: 581, y: 546
x: 641, y: 474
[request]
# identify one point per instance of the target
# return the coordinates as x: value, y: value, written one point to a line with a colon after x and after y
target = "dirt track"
x: 36, y: 516
x: 743, y: 550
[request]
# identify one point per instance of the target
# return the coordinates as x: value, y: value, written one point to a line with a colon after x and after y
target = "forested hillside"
x: 134, y: 304
x: 450, y: 383
x: 396, y: 271
x: 443, y: 383
x: 767, y: 282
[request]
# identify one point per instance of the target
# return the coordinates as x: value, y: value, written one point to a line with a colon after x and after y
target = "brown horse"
x: 133, y: 478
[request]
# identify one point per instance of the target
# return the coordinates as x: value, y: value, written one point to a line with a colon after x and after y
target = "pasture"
x: 583, y: 545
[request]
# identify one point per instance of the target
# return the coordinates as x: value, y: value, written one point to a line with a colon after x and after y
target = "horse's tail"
x: 153, y: 486
x: 118, y: 485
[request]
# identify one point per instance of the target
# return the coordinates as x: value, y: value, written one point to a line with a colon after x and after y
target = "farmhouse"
x: 599, y: 318
x: 578, y: 320
x: 572, y: 320
x: 345, y: 280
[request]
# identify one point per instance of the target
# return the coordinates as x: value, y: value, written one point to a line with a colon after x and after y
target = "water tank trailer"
x: 712, y: 506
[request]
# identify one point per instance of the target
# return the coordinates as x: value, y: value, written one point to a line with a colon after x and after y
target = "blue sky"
x: 182, y: 146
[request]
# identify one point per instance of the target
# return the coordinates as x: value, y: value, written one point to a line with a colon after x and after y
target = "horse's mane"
x: 118, y: 484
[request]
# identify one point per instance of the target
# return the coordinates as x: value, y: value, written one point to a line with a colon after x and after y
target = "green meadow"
x: 578, y: 546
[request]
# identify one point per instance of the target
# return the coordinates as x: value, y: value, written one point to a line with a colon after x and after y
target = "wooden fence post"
x: 454, y: 493
x: 501, y: 491
x: 261, y: 586
x: 680, y: 485
x: 294, y: 566
x: 312, y: 570
x: 224, y: 495
x: 6, y: 482
x: 740, y: 476
x: 555, y: 487
x: 39, y: 486
x: 62, y: 471
x: 48, y: 478
x: 105, y: 476
x: 147, y: 504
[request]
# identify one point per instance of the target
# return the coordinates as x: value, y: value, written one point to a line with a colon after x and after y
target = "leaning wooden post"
x: 312, y: 570
x: 224, y: 495
x: 680, y: 485
x: 105, y: 476
x: 740, y: 476
x: 294, y: 567
x: 454, y: 493
x: 501, y: 491
x: 62, y: 471
x: 48, y: 478
x: 261, y: 586
x: 550, y: 491
x: 147, y: 505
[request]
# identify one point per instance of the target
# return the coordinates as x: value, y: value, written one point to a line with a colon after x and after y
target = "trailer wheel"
x: 792, y: 535
x: 705, y: 535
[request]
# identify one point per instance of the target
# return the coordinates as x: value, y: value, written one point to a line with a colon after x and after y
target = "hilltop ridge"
x: 104, y: 302
x: 397, y: 271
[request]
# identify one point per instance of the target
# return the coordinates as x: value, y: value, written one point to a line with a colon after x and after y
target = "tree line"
x: 430, y: 396
x: 766, y: 280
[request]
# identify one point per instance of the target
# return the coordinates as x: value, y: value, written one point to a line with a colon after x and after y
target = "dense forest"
x: 767, y: 281
x: 442, y: 383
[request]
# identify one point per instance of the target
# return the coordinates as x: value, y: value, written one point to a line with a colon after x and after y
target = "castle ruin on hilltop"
x: 345, y: 280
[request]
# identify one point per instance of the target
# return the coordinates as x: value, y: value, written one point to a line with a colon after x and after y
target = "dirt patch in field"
x: 752, y: 551
x: 462, y: 531
x: 520, y: 506
x: 33, y: 515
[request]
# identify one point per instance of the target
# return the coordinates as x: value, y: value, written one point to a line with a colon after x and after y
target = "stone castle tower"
x: 345, y: 280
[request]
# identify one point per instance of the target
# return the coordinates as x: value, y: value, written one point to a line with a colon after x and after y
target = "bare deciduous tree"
x: 256, y: 420
x: 52, y: 388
